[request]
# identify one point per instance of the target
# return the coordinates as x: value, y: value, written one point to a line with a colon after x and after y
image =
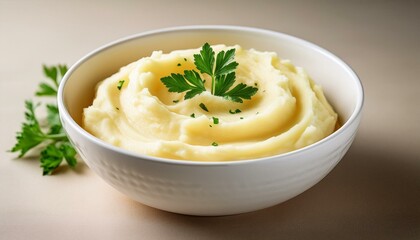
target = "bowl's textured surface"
x: 211, y: 188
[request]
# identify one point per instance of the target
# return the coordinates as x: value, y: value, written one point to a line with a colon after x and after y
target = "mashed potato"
x: 134, y: 110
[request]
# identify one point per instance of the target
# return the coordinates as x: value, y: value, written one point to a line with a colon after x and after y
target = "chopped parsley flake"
x: 120, y: 84
x: 215, y: 120
x: 175, y: 101
x: 179, y: 64
x: 214, y: 144
x: 192, y: 115
x: 234, y: 112
x: 202, y: 106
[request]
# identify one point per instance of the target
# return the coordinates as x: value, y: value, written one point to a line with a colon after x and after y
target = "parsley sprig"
x: 52, y: 138
x: 221, y: 69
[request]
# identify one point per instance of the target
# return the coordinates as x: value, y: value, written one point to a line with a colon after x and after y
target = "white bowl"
x: 211, y: 188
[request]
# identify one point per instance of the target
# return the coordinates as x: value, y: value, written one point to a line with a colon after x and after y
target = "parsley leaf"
x: 69, y: 154
x: 54, y: 75
x: 239, y: 92
x: 46, y: 90
x: 225, y: 62
x: 190, y: 82
x: 31, y: 135
x: 53, y: 119
x: 205, y: 60
x: 221, y: 69
x: 223, y: 83
x: 57, y: 145
x: 53, y: 155
x: 51, y: 158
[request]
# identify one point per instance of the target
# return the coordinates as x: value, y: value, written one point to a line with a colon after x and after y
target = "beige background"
x: 374, y: 193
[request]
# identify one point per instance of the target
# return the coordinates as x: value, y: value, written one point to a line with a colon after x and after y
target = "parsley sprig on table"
x: 55, y: 146
x: 221, y: 69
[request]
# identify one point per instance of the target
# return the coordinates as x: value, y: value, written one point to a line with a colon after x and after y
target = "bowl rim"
x: 64, y: 114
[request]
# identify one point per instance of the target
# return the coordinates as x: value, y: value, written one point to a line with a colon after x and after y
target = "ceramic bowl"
x: 211, y: 188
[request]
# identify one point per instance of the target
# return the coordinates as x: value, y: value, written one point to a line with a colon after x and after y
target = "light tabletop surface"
x: 373, y: 193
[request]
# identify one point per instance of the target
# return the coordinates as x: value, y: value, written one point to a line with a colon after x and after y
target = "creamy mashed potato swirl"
x: 288, y: 112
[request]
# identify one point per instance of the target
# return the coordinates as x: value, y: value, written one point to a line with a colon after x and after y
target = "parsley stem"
x: 213, y: 85
x: 60, y: 136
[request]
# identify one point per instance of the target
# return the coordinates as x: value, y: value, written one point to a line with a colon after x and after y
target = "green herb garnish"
x: 54, y: 75
x: 215, y: 120
x: 214, y: 144
x: 202, y: 106
x: 192, y: 115
x: 120, y: 84
x: 235, y: 112
x: 221, y: 69
x: 55, y: 146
